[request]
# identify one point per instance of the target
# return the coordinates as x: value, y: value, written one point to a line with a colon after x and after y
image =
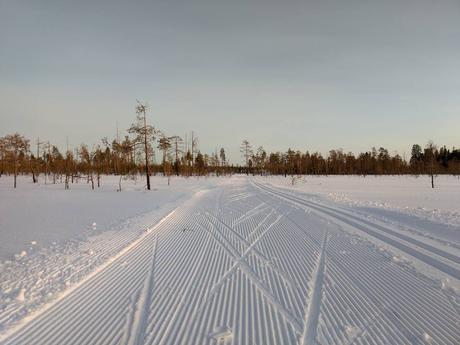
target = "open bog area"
x: 230, y: 260
x: 40, y: 215
x: 407, y: 194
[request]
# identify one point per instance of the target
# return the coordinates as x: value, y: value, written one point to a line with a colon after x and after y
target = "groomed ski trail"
x: 250, y: 264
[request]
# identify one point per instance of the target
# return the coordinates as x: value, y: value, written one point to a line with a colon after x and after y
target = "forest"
x: 136, y: 152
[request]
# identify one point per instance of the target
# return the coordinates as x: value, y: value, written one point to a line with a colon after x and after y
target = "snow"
x: 52, y: 238
x: 21, y: 297
x: 221, y: 332
x: 405, y: 194
x: 45, y: 214
x: 231, y: 261
x: 427, y: 338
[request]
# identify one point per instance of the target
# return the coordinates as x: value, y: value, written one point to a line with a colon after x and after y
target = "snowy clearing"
x: 409, y: 195
x: 240, y: 262
x: 35, y: 216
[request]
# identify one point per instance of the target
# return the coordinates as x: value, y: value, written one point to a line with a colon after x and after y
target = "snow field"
x: 247, y: 263
x: 39, y: 274
x: 405, y: 194
x: 243, y: 262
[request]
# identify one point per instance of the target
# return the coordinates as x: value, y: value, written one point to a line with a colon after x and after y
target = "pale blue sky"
x: 302, y: 74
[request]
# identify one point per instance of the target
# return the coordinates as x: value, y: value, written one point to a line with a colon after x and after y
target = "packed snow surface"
x: 411, y: 195
x: 44, y: 214
x: 240, y: 260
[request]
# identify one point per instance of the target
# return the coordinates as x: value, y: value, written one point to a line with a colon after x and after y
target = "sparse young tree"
x: 164, y: 145
x: 213, y: 163
x: 430, y: 152
x: 16, y: 147
x: 68, y: 163
x: 47, y: 158
x: 2, y: 155
x: 416, y: 158
x: 33, y: 165
x: 56, y: 163
x: 98, y: 158
x: 87, y: 159
x: 246, y: 150
x: 177, y: 144
x: 200, y: 163
x: 223, y: 158
x: 189, y: 162
x: 259, y: 159
x: 194, y: 149
x: 144, y: 134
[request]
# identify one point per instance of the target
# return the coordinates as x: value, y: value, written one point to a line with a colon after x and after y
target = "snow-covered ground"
x: 50, y: 238
x: 234, y: 261
x: 405, y: 194
x: 34, y: 216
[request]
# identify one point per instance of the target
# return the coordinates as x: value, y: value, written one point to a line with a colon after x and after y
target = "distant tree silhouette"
x: 15, y: 148
x: 144, y: 134
x: 246, y: 150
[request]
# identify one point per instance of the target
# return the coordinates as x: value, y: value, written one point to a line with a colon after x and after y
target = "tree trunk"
x: 147, y: 172
x: 15, y: 172
x: 119, y: 184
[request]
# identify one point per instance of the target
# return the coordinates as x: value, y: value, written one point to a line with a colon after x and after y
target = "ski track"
x: 252, y: 264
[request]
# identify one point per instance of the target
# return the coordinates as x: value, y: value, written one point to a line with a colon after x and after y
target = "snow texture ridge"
x: 247, y: 263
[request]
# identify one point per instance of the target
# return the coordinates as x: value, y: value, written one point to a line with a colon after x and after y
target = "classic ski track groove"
x: 136, y: 329
x: 314, y: 302
x: 355, y: 223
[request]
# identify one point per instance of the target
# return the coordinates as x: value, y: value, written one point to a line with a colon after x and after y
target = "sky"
x: 310, y: 75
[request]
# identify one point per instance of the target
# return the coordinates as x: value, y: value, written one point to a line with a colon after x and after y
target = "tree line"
x: 136, y: 153
x: 428, y: 160
x: 133, y: 154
